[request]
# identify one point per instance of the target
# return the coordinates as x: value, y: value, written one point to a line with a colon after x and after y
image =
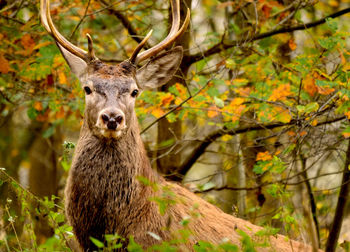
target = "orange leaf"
x: 346, y: 134
x: 280, y: 93
x: 309, y: 85
x: 266, y: 10
x: 60, y: 114
x: 27, y: 41
x: 314, y: 123
x: 303, y: 133
x: 347, y: 114
x: 291, y: 133
x: 263, y: 156
x: 4, y: 65
x: 166, y: 100
x: 212, y: 111
x: 38, y: 106
x: 181, y: 89
x: 243, y: 91
x: 325, y: 90
x: 292, y: 44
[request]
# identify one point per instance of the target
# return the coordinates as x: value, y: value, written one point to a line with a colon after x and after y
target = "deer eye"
x: 87, y: 90
x: 134, y: 93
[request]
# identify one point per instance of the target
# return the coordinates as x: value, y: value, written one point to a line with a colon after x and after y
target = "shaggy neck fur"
x: 103, y: 193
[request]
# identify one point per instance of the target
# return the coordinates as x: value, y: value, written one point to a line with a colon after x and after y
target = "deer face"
x: 111, y: 91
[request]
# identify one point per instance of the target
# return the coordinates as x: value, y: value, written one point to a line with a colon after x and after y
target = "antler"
x: 174, y: 33
x: 60, y: 39
x: 172, y: 36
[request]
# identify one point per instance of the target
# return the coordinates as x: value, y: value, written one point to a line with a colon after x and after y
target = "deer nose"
x: 112, y: 121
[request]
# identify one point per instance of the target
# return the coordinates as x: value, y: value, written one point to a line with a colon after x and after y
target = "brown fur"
x: 105, y: 196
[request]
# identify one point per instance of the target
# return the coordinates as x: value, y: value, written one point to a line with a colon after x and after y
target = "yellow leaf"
x: 62, y: 79
x: 226, y: 138
x: 157, y: 112
x: 42, y: 45
x: 314, y: 123
x: 334, y: 3
x: 237, y: 101
x: 285, y: 116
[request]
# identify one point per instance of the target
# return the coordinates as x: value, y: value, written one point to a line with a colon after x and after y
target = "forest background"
x: 255, y: 121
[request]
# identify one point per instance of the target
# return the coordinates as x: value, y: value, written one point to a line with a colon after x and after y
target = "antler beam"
x: 59, y: 38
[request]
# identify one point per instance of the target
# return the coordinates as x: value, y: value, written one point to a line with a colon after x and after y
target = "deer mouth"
x: 113, y: 133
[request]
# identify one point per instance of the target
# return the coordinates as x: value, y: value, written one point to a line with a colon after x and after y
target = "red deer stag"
x: 103, y: 192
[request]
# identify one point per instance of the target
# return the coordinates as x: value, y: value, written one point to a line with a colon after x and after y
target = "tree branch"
x: 190, y: 59
x: 199, y: 150
x: 125, y: 23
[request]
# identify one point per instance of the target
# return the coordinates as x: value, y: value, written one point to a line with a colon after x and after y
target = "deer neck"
x: 116, y: 163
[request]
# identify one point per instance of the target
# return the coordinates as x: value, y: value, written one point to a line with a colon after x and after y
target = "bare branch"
x: 81, y: 20
x: 199, y: 150
x: 125, y: 23
x: 190, y: 59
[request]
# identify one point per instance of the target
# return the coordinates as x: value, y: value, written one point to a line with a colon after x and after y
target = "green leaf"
x: 230, y: 63
x: 49, y: 132
x: 311, y: 107
x: 220, y: 103
x: 207, y: 186
x: 328, y: 43
x: 133, y: 246
x: 218, y: 82
x: 213, y: 91
x: 98, y: 243
x: 332, y: 24
x: 32, y: 113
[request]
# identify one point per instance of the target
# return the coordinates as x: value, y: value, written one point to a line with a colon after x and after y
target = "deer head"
x: 110, y: 90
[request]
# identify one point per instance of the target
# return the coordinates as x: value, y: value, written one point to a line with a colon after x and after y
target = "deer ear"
x: 160, y: 69
x: 76, y: 64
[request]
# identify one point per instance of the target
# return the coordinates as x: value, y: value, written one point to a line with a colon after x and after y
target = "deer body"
x: 103, y: 192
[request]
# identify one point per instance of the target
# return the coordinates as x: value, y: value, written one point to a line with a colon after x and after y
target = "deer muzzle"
x: 111, y: 122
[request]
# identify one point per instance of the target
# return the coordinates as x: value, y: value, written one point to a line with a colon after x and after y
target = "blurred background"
x: 256, y: 120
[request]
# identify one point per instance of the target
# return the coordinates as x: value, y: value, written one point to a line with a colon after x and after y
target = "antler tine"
x: 60, y: 39
x: 132, y: 59
x: 172, y: 36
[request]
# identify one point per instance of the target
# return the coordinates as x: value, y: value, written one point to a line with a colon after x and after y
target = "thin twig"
x: 80, y: 21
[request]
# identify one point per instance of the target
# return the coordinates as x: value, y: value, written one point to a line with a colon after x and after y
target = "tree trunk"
x: 170, y: 158
x: 342, y: 200
x: 44, y: 176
